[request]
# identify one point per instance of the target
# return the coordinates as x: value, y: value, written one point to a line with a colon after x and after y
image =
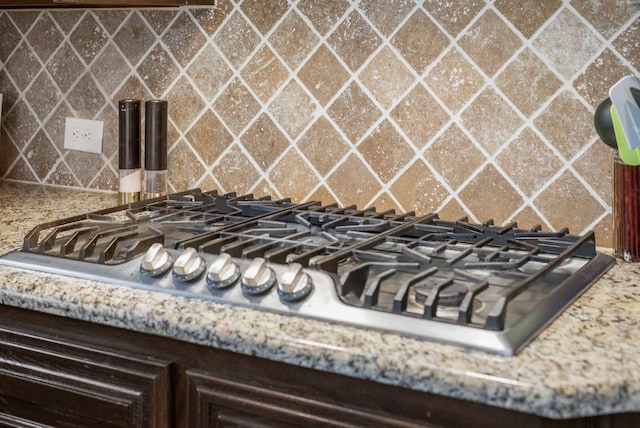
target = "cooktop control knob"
x: 295, y: 284
x: 189, y: 265
x: 258, y: 278
x: 223, y: 272
x: 156, y: 261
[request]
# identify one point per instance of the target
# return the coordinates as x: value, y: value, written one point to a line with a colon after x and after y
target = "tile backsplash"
x: 476, y: 108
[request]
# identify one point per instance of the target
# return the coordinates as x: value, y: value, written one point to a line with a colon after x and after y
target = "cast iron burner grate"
x: 477, y: 285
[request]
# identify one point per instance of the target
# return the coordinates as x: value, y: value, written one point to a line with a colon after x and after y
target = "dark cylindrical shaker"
x: 130, y: 178
x: 155, y: 149
x: 626, y: 210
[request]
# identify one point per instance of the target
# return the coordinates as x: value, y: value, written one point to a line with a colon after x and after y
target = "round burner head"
x: 451, y: 295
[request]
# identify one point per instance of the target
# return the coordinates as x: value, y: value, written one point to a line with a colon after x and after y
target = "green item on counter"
x: 628, y: 156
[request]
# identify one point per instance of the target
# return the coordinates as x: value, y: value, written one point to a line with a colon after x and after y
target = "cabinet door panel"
x: 215, y: 402
x: 60, y: 384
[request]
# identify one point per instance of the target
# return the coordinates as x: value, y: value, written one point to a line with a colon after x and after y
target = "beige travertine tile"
x: 65, y: 67
x: 264, y: 141
x: 386, y: 151
x: 452, y: 210
x: 106, y: 179
x: 185, y: 168
x: 158, y: 59
x: 323, y: 74
x: 527, y: 218
x: 528, y: 16
x: 528, y: 82
x: 184, y: 103
x: 293, y: 177
x: 61, y: 176
x: 420, y: 116
x: 132, y: 89
x: 264, y: 73
x: 453, y: 16
x: 604, y: 232
x: 353, y: 183
x: 236, y: 39
x: 20, y: 124
x: 293, y: 40
x: 10, y: 37
x: 86, y: 98
x: 159, y: 19
x: 386, y: 16
x: 88, y: 38
x: 9, y: 92
x: 109, y: 118
x: 111, y: 19
x: 559, y: 41
x: 42, y: 95
x: 418, y: 190
x: 322, y: 145
x: 134, y: 39
x: 386, y: 78
x: 23, y: 19
x: 44, y: 37
x: 183, y: 38
x: 263, y: 188
x: 628, y: 42
x: 566, y: 198
x: 491, y: 120
x: 606, y: 16
x: 66, y: 19
x: 110, y: 69
x: 454, y: 80
x: 264, y: 15
x: 20, y: 171
x: 209, y: 137
x: 354, y: 41
x: 293, y: 109
x: 211, y: 19
x: 207, y: 183
x: 420, y: 41
x: 451, y: 150
x: 85, y: 166
x: 322, y: 195
x: 323, y: 15
x: 235, y: 172
x: 490, y: 196
x: 354, y: 112
x: 525, y: 154
x: 595, y: 165
x: 567, y: 124
x: 41, y: 154
x: 55, y: 125
x: 236, y: 106
x: 22, y: 65
x: 594, y: 83
x: 9, y: 152
x: 489, y: 42
x: 384, y: 203
x: 209, y: 72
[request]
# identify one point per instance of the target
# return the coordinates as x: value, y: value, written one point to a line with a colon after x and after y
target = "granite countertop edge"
x: 583, y: 364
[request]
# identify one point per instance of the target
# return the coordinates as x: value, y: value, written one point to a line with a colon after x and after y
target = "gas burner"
x: 476, y: 285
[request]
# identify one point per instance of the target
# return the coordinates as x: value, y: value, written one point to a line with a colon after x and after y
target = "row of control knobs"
x: 258, y: 278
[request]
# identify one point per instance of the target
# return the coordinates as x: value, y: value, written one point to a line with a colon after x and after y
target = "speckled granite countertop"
x: 585, y: 363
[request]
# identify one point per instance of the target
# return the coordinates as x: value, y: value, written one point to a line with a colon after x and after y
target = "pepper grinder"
x: 155, y: 149
x: 129, y: 175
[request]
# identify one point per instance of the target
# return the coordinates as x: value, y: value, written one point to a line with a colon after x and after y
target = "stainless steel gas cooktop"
x: 476, y: 285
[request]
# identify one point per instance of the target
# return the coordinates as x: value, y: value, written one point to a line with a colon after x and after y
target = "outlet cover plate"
x: 83, y: 135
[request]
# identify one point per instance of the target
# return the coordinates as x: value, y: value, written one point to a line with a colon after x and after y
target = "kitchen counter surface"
x: 585, y: 363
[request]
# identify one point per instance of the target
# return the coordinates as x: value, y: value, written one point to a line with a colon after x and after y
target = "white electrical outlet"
x: 83, y: 135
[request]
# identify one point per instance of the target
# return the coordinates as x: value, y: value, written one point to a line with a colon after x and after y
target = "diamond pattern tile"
x: 88, y: 38
x: 354, y: 40
x: 293, y: 40
x: 420, y: 41
x: 490, y: 42
x: 361, y: 102
x: 386, y: 77
x: 264, y: 15
x: 386, y: 151
x: 134, y: 38
x: 265, y: 73
x: 264, y: 141
x: 323, y: 75
x: 561, y: 36
x: 184, y: 38
x: 45, y: 37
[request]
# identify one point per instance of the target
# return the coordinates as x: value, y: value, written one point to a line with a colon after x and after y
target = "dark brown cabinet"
x: 104, y: 3
x: 55, y: 371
